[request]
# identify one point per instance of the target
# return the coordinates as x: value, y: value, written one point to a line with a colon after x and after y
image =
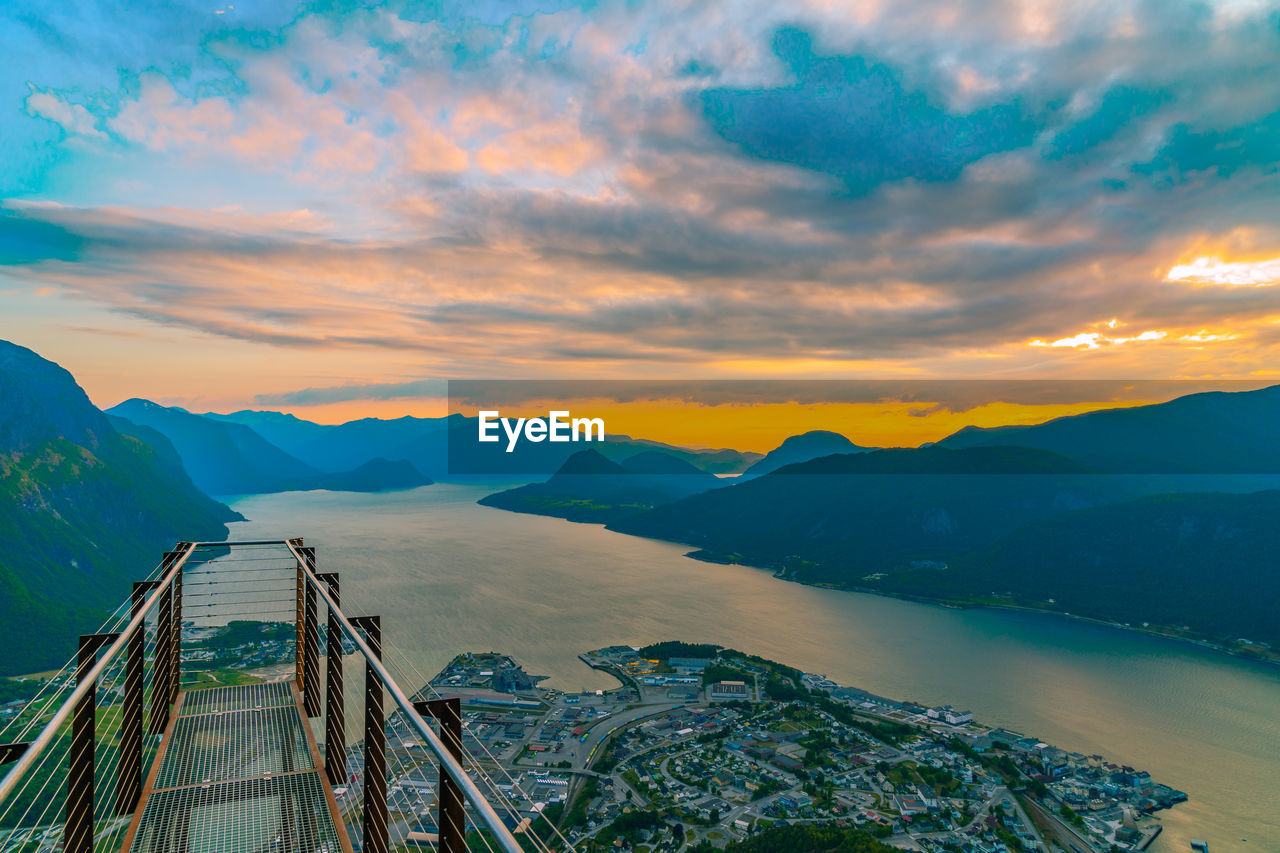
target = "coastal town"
x: 704, y: 748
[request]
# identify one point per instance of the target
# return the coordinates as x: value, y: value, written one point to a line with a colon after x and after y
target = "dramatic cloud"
x: 1097, y: 340
x: 1218, y: 271
x: 952, y: 187
x: 855, y: 119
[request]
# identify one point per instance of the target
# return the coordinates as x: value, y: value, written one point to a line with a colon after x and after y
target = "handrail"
x: 447, y: 762
x: 90, y: 681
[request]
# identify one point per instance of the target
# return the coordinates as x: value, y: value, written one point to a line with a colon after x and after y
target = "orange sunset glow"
x: 331, y: 212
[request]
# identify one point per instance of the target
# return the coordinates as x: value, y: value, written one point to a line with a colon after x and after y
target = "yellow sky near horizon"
x: 761, y: 427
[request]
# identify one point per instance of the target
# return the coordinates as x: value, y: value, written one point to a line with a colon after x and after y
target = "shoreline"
x: 1273, y: 660
x: 700, y: 555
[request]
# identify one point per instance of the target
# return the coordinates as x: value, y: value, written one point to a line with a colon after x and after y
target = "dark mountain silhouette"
x: 940, y: 460
x: 590, y: 487
x: 713, y: 461
x: 848, y: 515
x: 801, y: 448
x: 84, y: 510
x: 1218, y: 432
x: 1200, y: 561
x: 376, y: 475
x: 1028, y: 524
x: 587, y: 463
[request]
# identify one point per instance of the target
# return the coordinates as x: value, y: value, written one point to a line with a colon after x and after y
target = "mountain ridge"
x: 802, y: 448
x: 227, y: 457
x: 1212, y: 432
x: 589, y: 487
x: 84, y: 510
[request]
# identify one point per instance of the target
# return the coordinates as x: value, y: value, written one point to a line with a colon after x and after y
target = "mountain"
x: 1003, y: 524
x: 838, y: 518
x: 229, y: 458
x: 711, y: 460
x: 801, y: 448
x: 587, y: 463
x: 376, y: 475
x: 355, y: 442
x: 84, y: 511
x: 425, y: 443
x: 1218, y: 432
x: 661, y: 462
x: 1203, y: 562
x: 590, y: 487
x: 976, y: 461
x: 222, y: 458
x: 291, y: 434
x: 438, y: 447
x: 341, y: 447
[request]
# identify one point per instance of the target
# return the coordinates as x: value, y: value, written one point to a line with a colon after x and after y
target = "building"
x: 728, y: 690
x: 950, y: 716
x: 689, y: 664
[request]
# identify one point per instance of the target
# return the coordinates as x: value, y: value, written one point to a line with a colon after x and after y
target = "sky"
x: 300, y: 207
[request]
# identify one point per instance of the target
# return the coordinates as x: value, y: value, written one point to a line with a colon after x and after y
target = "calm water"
x: 447, y: 575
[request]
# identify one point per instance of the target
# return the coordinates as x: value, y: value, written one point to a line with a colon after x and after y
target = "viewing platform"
x: 238, y: 770
x: 135, y: 746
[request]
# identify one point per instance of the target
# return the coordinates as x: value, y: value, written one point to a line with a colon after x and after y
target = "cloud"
x: 1189, y: 150
x: 641, y: 187
x: 941, y: 395
x: 1208, y: 270
x: 72, y: 118
x: 1097, y: 340
x: 855, y: 119
x: 1119, y: 108
x: 415, y: 389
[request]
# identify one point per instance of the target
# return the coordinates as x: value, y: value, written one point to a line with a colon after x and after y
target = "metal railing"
x: 377, y: 671
x: 163, y: 598
x: 163, y: 593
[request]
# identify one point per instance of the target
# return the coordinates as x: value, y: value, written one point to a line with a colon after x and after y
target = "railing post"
x: 130, y: 784
x: 451, y: 809
x: 175, y: 648
x: 162, y: 678
x: 335, y: 733
x: 311, y: 639
x: 375, y: 744
x: 299, y: 641
x: 78, y: 830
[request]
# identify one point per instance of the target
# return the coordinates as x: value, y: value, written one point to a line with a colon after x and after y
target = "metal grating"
x: 247, y: 816
x: 242, y: 698
x: 220, y: 747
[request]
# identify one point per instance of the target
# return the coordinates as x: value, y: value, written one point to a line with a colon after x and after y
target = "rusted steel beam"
x: 311, y: 641
x: 376, y: 838
x: 335, y: 730
x: 130, y: 785
x: 451, y: 808
x: 78, y: 830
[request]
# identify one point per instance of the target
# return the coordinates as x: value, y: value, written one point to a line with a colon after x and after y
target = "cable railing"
x: 365, y: 632
x: 79, y: 784
x: 79, y: 706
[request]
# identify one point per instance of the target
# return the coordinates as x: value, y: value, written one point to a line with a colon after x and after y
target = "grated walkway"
x: 236, y: 773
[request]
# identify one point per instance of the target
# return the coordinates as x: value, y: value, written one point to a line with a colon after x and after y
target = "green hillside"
x: 84, y: 511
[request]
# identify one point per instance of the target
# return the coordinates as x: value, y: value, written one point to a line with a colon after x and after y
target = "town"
x: 706, y: 748
x: 703, y: 748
